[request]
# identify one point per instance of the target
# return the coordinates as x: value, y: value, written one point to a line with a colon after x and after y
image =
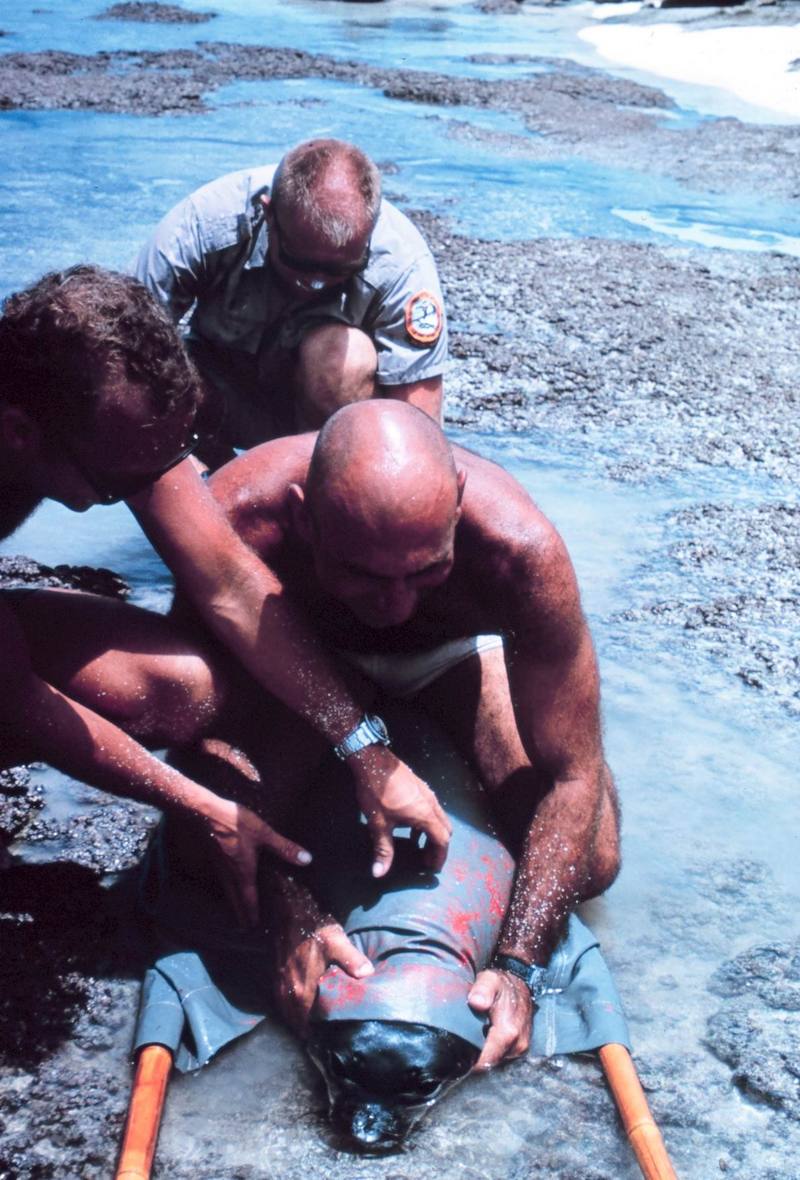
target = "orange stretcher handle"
x: 644, y: 1135
x: 144, y: 1113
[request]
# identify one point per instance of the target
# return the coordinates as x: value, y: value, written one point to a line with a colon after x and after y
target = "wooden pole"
x: 144, y: 1113
x: 643, y: 1134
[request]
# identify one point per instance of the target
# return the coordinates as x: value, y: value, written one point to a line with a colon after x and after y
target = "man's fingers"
x: 249, y: 908
x: 492, y: 1053
x: 509, y: 1008
x: 283, y: 847
x: 438, y: 831
x: 240, y: 889
x: 484, y: 991
x: 342, y: 951
x: 435, y: 852
x: 383, y: 849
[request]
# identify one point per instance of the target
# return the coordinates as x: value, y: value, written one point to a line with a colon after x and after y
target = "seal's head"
x: 383, y: 1075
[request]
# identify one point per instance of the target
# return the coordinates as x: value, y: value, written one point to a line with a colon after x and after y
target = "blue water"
x: 78, y: 185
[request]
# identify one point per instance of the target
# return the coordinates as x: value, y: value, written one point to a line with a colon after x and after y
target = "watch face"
x: 377, y: 724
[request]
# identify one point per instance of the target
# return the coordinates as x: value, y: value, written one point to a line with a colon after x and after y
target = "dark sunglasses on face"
x: 308, y: 266
x: 111, y: 489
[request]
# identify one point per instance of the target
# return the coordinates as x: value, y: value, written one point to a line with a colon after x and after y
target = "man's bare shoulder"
x: 498, y: 509
x: 252, y: 488
x: 518, y: 552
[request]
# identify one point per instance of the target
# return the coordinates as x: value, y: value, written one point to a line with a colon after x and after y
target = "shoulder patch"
x: 424, y: 318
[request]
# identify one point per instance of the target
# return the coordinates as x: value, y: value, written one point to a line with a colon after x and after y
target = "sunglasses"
x: 307, y: 266
x: 111, y: 489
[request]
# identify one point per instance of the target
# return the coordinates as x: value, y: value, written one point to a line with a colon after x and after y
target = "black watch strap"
x: 531, y: 975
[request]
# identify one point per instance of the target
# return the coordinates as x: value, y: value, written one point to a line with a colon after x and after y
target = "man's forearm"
x: 426, y: 395
x: 294, y: 912
x: 81, y: 743
x: 243, y: 602
x: 554, y: 869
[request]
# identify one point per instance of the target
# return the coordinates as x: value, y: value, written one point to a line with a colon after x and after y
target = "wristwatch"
x: 370, y: 731
x: 531, y: 975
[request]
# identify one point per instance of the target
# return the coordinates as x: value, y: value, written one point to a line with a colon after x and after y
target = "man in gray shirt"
x: 305, y: 290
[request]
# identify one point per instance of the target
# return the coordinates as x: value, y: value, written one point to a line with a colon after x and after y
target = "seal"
x: 390, y: 1045
x: 383, y: 1076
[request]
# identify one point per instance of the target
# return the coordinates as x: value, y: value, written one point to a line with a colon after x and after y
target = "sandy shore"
x: 753, y: 63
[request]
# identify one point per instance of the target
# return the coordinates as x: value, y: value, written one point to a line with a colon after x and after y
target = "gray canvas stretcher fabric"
x: 427, y: 935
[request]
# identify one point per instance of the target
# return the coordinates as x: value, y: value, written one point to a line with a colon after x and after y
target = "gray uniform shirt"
x: 210, y: 253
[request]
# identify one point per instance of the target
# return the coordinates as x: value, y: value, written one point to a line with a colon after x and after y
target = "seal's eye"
x: 415, y: 1082
x: 339, y: 1065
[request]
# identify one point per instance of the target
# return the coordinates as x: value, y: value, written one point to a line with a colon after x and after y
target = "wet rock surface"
x: 166, y: 14
x: 757, y: 1032
x: 657, y: 363
x: 661, y: 359
x: 728, y: 590
x: 19, y: 572
x: 593, y: 115
x: 72, y: 958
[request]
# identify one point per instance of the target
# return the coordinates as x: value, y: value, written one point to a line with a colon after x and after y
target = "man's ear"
x: 265, y: 202
x: 19, y: 433
x: 298, y: 510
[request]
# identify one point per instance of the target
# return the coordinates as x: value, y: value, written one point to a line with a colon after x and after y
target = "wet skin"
x: 383, y: 1075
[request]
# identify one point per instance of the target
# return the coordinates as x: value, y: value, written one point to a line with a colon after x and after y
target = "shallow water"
x: 707, y: 773
x: 68, y: 192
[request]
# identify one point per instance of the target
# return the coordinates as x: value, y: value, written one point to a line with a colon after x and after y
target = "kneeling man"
x: 435, y: 575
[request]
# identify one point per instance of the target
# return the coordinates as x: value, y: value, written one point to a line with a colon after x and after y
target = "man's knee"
x: 183, y: 697
x: 337, y: 364
x: 606, y: 854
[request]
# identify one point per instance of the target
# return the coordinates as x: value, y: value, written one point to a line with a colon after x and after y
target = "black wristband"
x: 532, y: 976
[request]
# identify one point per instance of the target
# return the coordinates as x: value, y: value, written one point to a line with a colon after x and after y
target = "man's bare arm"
x: 37, y: 722
x: 243, y: 602
x: 555, y: 689
x: 425, y: 395
x: 306, y: 941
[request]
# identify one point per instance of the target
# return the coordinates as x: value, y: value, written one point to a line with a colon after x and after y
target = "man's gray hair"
x: 298, y: 178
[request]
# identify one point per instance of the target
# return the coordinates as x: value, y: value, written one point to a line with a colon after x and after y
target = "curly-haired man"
x: 98, y: 404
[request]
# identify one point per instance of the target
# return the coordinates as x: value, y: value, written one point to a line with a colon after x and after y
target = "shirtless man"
x: 432, y: 571
x: 97, y: 405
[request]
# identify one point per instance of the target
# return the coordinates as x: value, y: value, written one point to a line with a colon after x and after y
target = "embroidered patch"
x: 424, y: 318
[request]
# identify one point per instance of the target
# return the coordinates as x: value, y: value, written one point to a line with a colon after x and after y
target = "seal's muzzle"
x: 382, y: 1076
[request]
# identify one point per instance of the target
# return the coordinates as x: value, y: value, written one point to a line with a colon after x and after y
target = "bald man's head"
x: 381, y: 462
x: 333, y: 186
x: 382, y: 500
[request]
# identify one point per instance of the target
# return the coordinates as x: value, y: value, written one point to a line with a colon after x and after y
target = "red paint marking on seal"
x: 498, y: 896
x: 460, y: 871
x: 461, y: 922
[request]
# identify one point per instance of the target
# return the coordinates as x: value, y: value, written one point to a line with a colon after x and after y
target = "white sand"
x: 750, y: 62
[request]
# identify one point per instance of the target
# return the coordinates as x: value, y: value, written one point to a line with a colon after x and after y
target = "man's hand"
x: 237, y: 837
x: 508, y: 1004
x: 392, y: 796
x: 305, y: 962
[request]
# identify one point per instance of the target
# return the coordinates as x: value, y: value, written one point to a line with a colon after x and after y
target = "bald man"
x: 308, y: 292
x: 435, y: 575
